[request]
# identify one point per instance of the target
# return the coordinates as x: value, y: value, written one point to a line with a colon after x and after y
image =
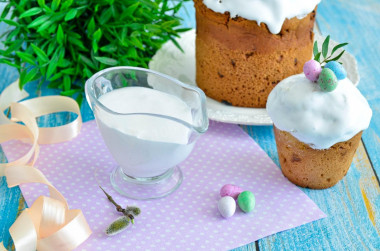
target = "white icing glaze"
x: 271, y: 12
x: 319, y: 119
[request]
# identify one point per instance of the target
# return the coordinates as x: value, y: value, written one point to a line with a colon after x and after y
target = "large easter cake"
x: 244, y: 48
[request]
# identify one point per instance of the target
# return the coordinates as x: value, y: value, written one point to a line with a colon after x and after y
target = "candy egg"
x: 327, y: 80
x: 227, y: 206
x: 246, y: 201
x: 338, y: 69
x: 230, y: 190
x: 312, y: 69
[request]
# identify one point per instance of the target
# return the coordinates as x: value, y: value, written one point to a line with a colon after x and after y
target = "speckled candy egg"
x: 327, y: 80
x: 246, y: 201
x: 230, y: 190
x: 338, y: 69
x: 227, y: 206
x: 312, y: 69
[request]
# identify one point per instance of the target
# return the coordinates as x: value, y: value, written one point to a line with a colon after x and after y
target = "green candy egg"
x: 246, y: 201
x: 327, y: 80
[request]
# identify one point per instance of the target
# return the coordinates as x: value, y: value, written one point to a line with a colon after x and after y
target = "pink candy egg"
x: 312, y: 69
x: 230, y: 190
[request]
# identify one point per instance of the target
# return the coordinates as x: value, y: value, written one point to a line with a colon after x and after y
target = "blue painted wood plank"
x: 359, y: 24
x: 9, y: 198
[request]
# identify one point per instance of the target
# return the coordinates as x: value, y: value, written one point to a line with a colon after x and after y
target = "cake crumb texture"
x: 312, y: 168
x: 240, y: 62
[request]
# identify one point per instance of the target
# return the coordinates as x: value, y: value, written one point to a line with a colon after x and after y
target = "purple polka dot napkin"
x: 188, y: 219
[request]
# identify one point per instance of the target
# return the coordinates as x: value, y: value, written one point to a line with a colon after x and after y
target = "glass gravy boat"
x: 150, y: 123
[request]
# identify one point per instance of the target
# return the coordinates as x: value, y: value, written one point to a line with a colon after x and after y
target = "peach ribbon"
x: 48, y: 224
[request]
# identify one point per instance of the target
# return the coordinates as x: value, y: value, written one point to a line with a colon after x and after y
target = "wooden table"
x: 353, y: 205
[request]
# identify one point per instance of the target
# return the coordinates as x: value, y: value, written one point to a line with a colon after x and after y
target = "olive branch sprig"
x: 324, y: 52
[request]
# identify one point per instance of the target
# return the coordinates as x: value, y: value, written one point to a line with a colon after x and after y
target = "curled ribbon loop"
x: 48, y: 224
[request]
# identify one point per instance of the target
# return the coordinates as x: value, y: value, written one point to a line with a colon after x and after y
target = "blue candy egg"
x: 338, y: 69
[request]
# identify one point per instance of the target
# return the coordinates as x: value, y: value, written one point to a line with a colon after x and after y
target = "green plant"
x: 65, y: 42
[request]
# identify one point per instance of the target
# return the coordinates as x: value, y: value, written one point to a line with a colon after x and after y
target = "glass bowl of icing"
x: 150, y: 123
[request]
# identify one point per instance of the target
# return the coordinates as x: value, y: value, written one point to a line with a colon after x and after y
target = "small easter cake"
x: 318, y: 118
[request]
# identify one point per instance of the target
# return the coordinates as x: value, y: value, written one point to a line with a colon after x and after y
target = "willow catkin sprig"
x: 122, y: 222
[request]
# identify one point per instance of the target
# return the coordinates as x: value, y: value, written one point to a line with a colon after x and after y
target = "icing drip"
x: 271, y: 12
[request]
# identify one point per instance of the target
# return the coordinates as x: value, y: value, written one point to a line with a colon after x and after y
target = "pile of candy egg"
x: 227, y: 204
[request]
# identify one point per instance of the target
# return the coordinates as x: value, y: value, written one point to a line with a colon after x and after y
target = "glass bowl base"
x: 146, y: 188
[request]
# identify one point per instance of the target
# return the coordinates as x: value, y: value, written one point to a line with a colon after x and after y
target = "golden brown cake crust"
x: 240, y: 62
x: 308, y: 167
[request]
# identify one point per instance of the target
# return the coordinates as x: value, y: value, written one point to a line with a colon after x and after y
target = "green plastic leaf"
x: 71, y: 14
x: 176, y: 44
x: 91, y: 26
x: 87, y: 61
x: 52, y: 46
x: 41, y: 3
x: 52, y: 67
x: 6, y: 10
x: 70, y: 92
x: 77, y: 43
x: 69, y: 71
x: 132, y: 52
x: 52, y: 28
x: 95, y: 46
x: 315, y: 48
x: 110, y: 48
x: 26, y: 57
x: 30, y: 76
x: 128, y: 12
x: 136, y: 42
x: 44, y: 26
x: 10, y: 22
x: 60, y: 35
x: 66, y: 4
x: 87, y: 72
x: 107, y: 61
x: 64, y: 63
x: 55, y: 4
x: 79, y: 98
x: 98, y: 34
x: 41, y: 55
x: 5, y: 61
x: 325, y: 46
x: 66, y: 82
x: 337, y: 47
x: 31, y: 12
x: 38, y: 21
x: 23, y: 73
x: 106, y: 15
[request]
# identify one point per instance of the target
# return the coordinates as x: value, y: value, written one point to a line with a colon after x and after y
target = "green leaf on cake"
x: 325, y: 46
x: 317, y: 56
x: 336, y: 58
x: 337, y: 47
x: 315, y: 48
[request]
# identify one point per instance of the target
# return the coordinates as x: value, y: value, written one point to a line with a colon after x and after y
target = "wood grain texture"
x: 353, y: 205
x: 358, y: 22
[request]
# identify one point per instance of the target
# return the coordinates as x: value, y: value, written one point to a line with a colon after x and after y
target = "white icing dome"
x: 271, y: 12
x: 319, y: 119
